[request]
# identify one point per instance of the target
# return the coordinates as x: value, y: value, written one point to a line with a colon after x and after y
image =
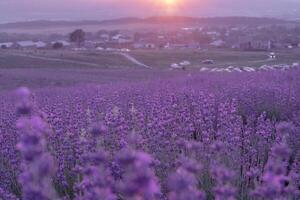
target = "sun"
x: 168, y: 7
x: 170, y: 2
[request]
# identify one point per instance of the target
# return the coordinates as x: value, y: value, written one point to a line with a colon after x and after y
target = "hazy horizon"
x: 27, y: 10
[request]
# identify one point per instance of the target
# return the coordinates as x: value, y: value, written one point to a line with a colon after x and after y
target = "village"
x: 207, y: 47
x: 240, y: 38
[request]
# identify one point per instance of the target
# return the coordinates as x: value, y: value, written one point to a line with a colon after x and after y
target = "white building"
x: 217, y: 43
x: 104, y: 37
x: 6, y: 45
x: 26, y: 44
x: 142, y: 45
x: 31, y: 44
x: 40, y: 44
x: 121, y: 38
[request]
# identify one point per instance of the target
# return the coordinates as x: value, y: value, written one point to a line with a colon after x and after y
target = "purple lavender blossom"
x: 183, y: 186
x: 243, y: 130
x: 37, y: 166
x: 138, y: 180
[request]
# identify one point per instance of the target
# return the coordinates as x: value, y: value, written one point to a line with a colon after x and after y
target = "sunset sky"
x: 23, y: 10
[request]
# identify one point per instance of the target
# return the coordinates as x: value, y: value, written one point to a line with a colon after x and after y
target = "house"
x: 6, y: 45
x: 182, y: 45
x: 257, y: 45
x: 119, y: 38
x: 30, y: 44
x: 295, y: 64
x: 262, y: 45
x: 104, y: 37
x: 144, y: 45
x: 40, y: 44
x: 116, y: 37
x: 90, y: 44
x: 125, y: 39
x: 218, y: 43
x: 212, y: 33
x: 26, y: 44
x: 100, y: 49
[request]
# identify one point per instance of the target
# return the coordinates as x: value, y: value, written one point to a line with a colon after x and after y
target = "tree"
x: 78, y: 36
x: 3, y: 46
x: 57, y: 45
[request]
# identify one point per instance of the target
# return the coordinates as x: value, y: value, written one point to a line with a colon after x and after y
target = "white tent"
x: 185, y: 63
x: 203, y: 69
x: 249, y: 69
x: 176, y: 66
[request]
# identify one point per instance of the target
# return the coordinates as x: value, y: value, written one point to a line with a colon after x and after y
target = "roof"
x: 26, y: 43
x: 7, y: 44
x: 217, y: 43
x: 40, y: 44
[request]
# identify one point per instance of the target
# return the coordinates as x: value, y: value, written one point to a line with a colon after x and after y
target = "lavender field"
x: 220, y: 136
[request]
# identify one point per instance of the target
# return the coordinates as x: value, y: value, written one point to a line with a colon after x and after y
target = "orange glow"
x: 170, y: 2
x: 169, y: 6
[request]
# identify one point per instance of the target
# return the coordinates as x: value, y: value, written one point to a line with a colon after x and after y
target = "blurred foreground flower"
x: 37, y: 164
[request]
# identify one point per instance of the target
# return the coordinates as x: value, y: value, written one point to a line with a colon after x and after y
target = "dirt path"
x: 133, y: 60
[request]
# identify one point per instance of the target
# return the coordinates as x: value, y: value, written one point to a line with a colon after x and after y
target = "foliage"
x: 205, y: 136
x: 78, y: 37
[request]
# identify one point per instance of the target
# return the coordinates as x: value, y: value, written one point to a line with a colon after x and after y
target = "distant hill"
x: 149, y: 20
x: 214, y: 20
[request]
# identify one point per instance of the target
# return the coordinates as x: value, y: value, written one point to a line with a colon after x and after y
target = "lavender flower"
x: 4, y: 195
x: 232, y: 125
x: 97, y: 181
x: 223, y: 188
x: 275, y: 182
x: 139, y: 180
x: 183, y: 186
x: 37, y: 166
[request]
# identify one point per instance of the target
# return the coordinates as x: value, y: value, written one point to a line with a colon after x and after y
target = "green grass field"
x: 61, y: 59
x: 222, y: 58
x: 45, y: 68
x: 157, y: 59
